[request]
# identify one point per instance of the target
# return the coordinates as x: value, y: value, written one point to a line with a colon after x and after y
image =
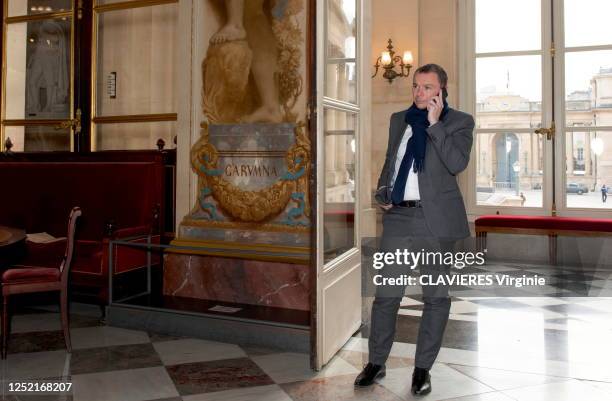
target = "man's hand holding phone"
x: 434, y: 108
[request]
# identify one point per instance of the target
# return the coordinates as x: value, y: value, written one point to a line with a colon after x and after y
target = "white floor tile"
x: 496, y: 396
x: 505, y: 379
x: 445, y: 383
x: 493, y: 360
x: 358, y: 344
x: 606, y: 387
x: 536, y: 313
x: 402, y: 350
x: 124, y: 385
x: 600, y: 305
x: 463, y: 307
x: 406, y: 301
x: 473, y: 298
x: 104, y: 336
x: 289, y: 367
x: 32, y: 365
x: 539, y: 301
x: 465, y: 318
x: 194, y: 350
x: 570, y: 390
x: 257, y: 393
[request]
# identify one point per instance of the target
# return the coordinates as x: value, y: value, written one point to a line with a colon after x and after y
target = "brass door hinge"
x: 552, y: 49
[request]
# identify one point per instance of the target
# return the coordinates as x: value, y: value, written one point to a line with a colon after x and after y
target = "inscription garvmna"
x: 248, y: 170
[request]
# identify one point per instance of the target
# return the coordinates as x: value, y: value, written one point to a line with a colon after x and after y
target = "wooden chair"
x: 31, y: 279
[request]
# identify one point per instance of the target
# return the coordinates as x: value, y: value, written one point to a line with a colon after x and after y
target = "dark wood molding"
x: 1, y: 58
x: 82, y: 74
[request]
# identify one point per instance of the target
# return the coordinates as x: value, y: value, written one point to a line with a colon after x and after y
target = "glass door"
x: 542, y: 97
x: 134, y: 97
x: 583, y: 40
x: 338, y: 309
x: 38, y: 108
x: 512, y: 106
x: 88, y: 75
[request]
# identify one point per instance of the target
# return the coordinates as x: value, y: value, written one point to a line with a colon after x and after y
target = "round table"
x: 11, y: 244
x: 10, y: 235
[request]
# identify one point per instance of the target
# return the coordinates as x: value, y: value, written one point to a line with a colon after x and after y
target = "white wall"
x: 437, y: 39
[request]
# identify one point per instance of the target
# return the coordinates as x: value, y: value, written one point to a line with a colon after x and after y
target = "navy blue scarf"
x: 417, y: 119
x: 415, y: 149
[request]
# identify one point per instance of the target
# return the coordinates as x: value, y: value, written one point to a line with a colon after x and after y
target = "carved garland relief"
x: 252, y: 81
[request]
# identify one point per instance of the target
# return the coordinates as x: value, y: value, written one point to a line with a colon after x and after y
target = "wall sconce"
x: 388, y: 61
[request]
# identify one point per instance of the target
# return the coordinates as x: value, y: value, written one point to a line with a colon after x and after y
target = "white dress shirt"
x: 412, y: 183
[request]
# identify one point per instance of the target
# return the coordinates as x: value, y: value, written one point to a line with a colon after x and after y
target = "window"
x: 517, y: 99
x: 47, y: 86
x: 340, y: 127
x: 587, y: 59
x: 136, y: 56
x: 508, y: 94
x: 37, y: 85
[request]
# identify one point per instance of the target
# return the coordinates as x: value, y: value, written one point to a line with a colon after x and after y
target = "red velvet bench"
x: 541, y: 225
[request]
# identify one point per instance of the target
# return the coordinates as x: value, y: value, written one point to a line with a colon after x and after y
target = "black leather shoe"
x: 370, y: 373
x: 421, y: 381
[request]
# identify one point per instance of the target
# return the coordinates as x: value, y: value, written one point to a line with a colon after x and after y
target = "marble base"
x: 232, y: 280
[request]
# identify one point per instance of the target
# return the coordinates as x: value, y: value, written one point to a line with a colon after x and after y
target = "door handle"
x: 549, y: 132
x: 73, y: 124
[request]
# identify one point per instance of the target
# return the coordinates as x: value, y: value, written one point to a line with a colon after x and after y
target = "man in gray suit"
x: 429, y: 144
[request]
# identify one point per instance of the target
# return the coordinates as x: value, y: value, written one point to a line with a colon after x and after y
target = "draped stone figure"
x: 48, y: 73
x: 250, y: 70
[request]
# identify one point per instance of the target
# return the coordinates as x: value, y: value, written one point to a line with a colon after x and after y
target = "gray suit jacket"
x: 448, y: 149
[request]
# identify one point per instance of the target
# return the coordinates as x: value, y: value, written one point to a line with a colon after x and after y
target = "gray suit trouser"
x: 405, y: 228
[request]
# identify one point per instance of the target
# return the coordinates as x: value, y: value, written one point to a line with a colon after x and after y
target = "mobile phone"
x: 444, y: 93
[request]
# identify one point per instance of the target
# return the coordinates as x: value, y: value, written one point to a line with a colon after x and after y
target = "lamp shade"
x: 408, y: 57
x: 385, y: 58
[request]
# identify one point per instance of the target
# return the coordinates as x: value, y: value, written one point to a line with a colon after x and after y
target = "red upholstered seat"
x: 27, y: 278
x: 546, y: 222
x: 31, y: 275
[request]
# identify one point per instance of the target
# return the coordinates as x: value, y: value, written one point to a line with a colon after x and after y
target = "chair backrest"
x: 67, y: 261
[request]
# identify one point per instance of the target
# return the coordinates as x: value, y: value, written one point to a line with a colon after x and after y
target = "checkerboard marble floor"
x: 494, y: 349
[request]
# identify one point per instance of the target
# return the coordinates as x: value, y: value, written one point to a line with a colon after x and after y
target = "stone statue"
x: 247, y: 20
x: 48, y: 69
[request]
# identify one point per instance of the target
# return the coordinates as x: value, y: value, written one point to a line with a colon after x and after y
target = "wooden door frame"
x: 1, y: 53
x: 311, y: 64
x: 83, y: 20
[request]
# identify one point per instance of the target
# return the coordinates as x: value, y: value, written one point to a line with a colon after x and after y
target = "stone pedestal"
x: 253, y: 186
x: 233, y: 280
x: 246, y: 240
